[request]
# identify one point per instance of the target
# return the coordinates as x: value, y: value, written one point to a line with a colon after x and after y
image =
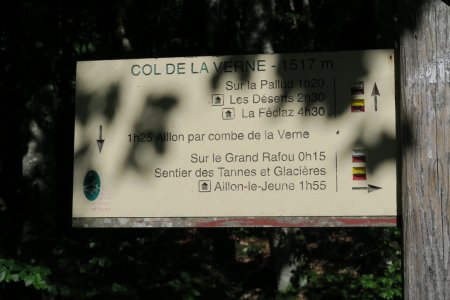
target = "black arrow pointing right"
x: 370, y: 188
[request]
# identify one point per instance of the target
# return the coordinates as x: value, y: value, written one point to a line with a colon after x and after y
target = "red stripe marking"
x: 359, y: 177
x: 311, y: 222
x: 358, y: 159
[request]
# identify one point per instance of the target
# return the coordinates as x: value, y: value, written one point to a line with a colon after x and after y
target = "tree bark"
x: 425, y: 118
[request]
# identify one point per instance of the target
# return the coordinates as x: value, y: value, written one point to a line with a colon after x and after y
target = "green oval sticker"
x: 91, y: 185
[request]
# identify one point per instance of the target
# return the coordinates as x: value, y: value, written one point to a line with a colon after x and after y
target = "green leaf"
x: 29, y: 280
x: 2, y: 276
x: 15, y: 277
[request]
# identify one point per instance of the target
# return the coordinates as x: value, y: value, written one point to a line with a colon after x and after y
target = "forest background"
x: 43, y: 257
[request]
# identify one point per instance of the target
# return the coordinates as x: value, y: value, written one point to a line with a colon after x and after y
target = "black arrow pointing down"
x: 100, y: 140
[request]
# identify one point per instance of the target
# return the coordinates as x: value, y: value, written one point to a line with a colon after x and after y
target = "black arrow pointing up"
x: 370, y: 188
x: 100, y: 141
x: 375, y: 93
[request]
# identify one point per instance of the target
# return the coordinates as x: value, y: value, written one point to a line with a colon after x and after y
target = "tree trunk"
x: 425, y: 117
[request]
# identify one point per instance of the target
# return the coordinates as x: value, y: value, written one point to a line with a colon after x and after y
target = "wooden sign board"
x: 261, y: 140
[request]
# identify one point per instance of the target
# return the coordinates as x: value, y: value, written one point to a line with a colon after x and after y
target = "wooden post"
x: 425, y: 128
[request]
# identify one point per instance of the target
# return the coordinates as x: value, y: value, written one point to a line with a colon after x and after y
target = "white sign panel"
x: 282, y: 135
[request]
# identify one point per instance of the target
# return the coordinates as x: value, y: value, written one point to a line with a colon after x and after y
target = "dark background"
x: 42, y: 257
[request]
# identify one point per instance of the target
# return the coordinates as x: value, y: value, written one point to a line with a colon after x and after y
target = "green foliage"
x: 30, y: 275
x: 348, y: 277
x: 367, y: 286
x: 188, y: 286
